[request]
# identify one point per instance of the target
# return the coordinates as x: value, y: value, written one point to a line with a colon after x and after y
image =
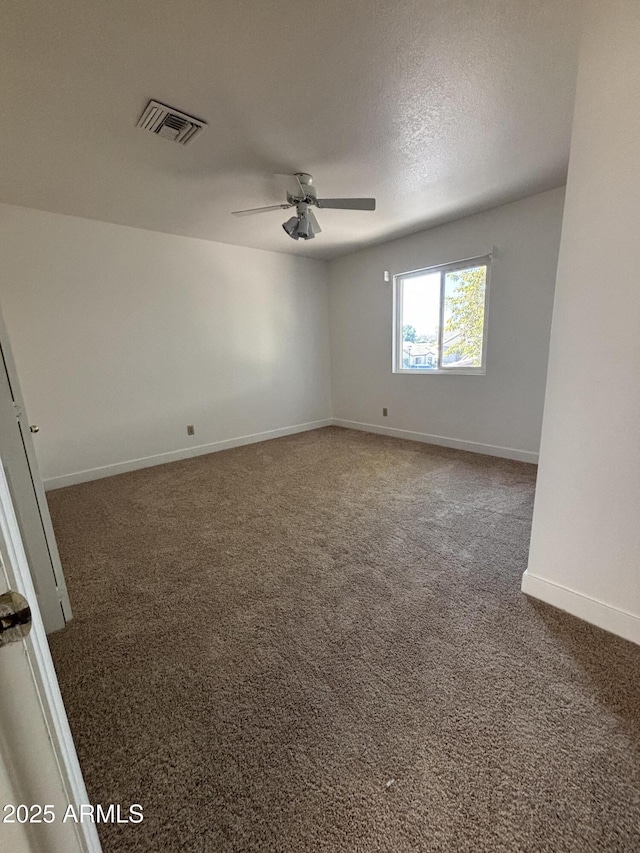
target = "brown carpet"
x: 265, y: 638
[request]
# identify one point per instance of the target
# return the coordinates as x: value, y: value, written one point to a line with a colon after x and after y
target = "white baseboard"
x: 591, y: 610
x: 442, y: 441
x: 188, y: 452
x: 175, y: 455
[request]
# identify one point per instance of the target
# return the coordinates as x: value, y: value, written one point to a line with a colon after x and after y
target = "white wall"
x: 585, y: 546
x: 122, y: 337
x: 500, y: 412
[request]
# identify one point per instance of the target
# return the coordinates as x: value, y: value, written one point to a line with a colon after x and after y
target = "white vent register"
x: 169, y: 123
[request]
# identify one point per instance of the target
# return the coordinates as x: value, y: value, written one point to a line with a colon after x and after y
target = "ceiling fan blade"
x: 253, y: 210
x: 314, y: 221
x: 348, y: 203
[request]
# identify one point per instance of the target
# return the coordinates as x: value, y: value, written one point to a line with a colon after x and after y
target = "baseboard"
x: 175, y: 455
x: 443, y: 441
x: 591, y: 610
x: 188, y: 452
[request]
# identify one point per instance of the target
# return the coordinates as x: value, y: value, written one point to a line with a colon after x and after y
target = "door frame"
x: 59, y: 611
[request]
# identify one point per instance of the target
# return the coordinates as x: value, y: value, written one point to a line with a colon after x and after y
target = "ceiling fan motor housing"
x: 307, y: 191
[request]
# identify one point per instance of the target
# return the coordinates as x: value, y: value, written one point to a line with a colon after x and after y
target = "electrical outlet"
x: 385, y: 412
x: 190, y: 430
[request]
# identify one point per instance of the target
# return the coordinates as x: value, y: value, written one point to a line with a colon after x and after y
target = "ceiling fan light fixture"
x: 305, y: 227
x: 291, y: 227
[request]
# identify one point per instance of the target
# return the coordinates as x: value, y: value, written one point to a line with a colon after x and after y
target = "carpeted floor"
x: 318, y: 644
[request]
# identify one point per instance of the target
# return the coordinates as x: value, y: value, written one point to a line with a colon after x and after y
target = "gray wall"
x: 585, y: 542
x: 500, y: 412
x: 123, y: 336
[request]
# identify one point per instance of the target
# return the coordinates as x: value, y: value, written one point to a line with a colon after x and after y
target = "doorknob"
x: 15, y: 617
x: 34, y: 428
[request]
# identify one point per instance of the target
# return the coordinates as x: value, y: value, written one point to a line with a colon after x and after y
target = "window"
x: 440, y: 317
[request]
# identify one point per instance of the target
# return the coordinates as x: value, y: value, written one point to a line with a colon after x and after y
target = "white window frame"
x: 398, y: 281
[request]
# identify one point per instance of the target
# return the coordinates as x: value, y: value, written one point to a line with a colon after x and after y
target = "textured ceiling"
x: 439, y: 108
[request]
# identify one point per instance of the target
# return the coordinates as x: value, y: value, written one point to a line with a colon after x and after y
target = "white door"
x: 38, y: 762
x: 27, y: 492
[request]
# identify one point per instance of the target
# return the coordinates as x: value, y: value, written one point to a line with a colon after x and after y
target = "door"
x: 28, y: 496
x: 38, y: 761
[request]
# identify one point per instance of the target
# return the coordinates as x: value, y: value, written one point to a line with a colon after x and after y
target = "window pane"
x: 420, y: 321
x: 464, y: 294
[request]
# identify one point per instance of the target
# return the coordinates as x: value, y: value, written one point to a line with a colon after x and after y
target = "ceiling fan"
x: 303, y: 196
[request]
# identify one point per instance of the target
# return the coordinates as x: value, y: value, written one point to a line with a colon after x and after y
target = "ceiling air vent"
x: 169, y: 123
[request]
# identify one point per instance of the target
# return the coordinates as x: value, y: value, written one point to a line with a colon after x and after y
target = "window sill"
x: 451, y: 371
